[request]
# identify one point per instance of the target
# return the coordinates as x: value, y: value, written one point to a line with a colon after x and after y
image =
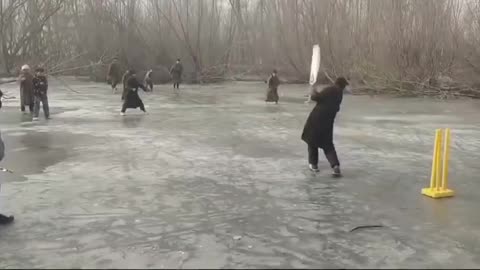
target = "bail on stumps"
x: 439, y: 178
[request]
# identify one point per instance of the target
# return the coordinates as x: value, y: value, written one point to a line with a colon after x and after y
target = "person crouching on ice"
x: 132, y: 99
x: 318, y: 130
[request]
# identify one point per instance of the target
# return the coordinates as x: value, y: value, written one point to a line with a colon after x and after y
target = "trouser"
x: 30, y: 107
x: 114, y: 83
x: 44, y: 100
x: 176, y: 85
x: 124, y: 107
x: 150, y: 85
x: 329, y: 152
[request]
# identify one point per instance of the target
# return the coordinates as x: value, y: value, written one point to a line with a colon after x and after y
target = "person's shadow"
x: 132, y: 121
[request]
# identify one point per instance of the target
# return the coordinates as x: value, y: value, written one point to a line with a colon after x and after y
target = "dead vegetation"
x: 406, y: 47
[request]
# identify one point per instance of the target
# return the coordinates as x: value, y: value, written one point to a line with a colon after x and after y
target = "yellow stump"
x: 439, y: 179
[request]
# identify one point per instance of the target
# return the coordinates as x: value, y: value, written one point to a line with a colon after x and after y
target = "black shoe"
x: 336, y: 171
x: 313, y: 168
x: 4, y: 220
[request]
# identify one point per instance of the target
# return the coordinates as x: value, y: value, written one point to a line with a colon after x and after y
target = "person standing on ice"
x: 176, y: 73
x: 40, y: 88
x: 4, y: 220
x: 273, y: 83
x: 132, y: 99
x: 26, y: 88
x: 125, y: 77
x: 147, y: 81
x: 113, y: 75
x: 318, y: 130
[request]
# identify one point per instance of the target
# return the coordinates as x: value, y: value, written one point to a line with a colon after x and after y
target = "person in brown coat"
x: 318, y: 130
x: 125, y: 77
x: 113, y: 75
x: 26, y: 88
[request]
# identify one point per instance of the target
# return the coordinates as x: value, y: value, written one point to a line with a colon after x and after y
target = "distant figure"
x: 40, y: 87
x: 176, y: 72
x: 318, y: 130
x: 26, y: 88
x: 4, y: 220
x: 132, y: 99
x: 125, y: 77
x: 113, y: 76
x: 148, y: 80
x: 273, y: 83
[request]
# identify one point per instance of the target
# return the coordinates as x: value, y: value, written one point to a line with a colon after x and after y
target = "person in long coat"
x: 176, y: 73
x: 318, y: 130
x: 273, y: 83
x: 125, y: 77
x: 132, y: 99
x: 26, y: 88
x: 113, y: 75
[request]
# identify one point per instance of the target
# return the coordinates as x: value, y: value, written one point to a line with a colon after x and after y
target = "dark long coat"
x: 132, y: 99
x: 318, y: 130
x: 176, y: 72
x: 26, y: 88
x: 272, y: 93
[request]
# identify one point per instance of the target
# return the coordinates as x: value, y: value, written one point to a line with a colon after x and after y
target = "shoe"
x: 35, y: 119
x: 336, y: 171
x: 4, y: 220
x: 122, y: 114
x: 313, y: 168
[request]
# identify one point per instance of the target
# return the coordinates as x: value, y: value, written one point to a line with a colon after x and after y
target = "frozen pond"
x: 214, y: 177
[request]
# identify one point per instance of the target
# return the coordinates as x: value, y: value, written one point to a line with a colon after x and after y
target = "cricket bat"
x: 315, y: 66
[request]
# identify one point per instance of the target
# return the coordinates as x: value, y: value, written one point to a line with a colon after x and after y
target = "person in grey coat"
x: 176, y: 72
x: 4, y: 220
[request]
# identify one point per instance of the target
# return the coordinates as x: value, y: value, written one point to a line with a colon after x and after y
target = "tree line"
x: 399, y: 45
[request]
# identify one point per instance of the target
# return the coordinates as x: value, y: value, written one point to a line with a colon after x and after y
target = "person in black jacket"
x: 132, y: 99
x: 318, y: 130
x: 40, y: 87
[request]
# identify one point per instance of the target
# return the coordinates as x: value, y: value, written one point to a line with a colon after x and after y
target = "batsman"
x: 318, y: 130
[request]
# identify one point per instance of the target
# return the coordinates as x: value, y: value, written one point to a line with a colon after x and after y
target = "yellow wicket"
x: 439, y: 179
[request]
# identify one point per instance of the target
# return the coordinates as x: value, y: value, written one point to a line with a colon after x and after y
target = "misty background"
x: 427, y: 46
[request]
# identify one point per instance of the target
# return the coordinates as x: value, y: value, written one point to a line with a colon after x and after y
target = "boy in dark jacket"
x: 40, y: 87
